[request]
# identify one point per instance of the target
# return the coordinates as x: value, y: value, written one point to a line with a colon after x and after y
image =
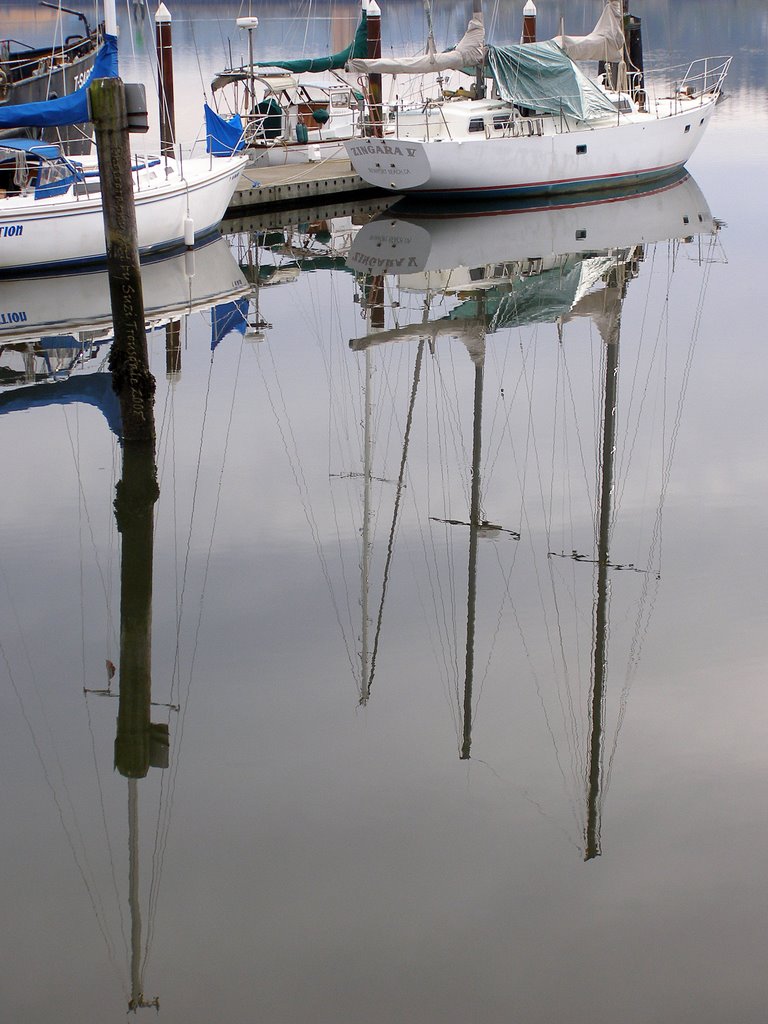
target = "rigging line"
x: 506, y: 407
x: 569, y: 715
x: 396, y: 355
x: 81, y: 498
x: 195, y: 488
x: 542, y: 704
x: 27, y: 658
x: 99, y: 786
x: 642, y: 624
x: 103, y: 809
x: 155, y: 879
x: 398, y: 495
x: 164, y: 809
x: 342, y: 433
x: 506, y: 577
x: 167, y: 443
x: 359, y: 389
x: 82, y: 866
x: 197, y: 58
x: 623, y: 472
x: 567, y: 379
x: 448, y: 653
x: 450, y: 612
x: 641, y: 630
x: 297, y: 471
x: 452, y: 421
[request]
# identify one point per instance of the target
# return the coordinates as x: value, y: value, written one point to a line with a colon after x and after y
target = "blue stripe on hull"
x: 147, y: 255
x: 613, y: 181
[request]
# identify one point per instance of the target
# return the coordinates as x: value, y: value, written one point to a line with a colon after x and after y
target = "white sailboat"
x: 287, y: 111
x: 51, y: 207
x: 545, y: 127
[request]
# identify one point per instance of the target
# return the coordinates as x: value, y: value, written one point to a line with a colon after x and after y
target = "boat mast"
x: 477, y: 14
x: 110, y: 18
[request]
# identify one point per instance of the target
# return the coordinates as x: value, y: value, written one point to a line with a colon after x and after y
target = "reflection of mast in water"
x: 477, y: 528
x: 595, y: 763
x: 473, y: 336
x: 374, y: 303
x: 541, y: 265
x: 604, y: 308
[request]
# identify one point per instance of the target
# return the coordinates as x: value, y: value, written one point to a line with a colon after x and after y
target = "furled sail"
x: 604, y: 42
x: 541, y: 77
x: 72, y: 109
x: 469, y: 52
x: 303, y: 65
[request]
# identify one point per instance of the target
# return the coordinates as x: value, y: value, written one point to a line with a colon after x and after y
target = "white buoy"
x: 189, y: 232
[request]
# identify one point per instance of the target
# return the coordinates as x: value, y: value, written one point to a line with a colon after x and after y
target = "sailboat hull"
x: 69, y: 230
x: 548, y: 161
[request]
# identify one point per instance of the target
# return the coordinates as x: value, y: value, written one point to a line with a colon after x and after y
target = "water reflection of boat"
x: 467, y: 277
x: 55, y: 332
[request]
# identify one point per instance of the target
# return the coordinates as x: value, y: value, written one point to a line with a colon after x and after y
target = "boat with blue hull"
x: 30, y: 74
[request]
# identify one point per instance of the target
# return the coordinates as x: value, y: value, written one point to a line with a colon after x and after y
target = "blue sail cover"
x: 223, y: 137
x: 72, y: 109
x: 542, y: 77
x: 228, y: 317
x: 93, y: 389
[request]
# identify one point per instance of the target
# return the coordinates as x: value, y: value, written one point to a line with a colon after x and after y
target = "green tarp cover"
x: 334, y: 62
x: 541, y: 77
x: 538, y: 299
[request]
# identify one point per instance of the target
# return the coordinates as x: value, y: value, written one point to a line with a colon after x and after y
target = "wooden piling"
x: 529, y: 22
x: 129, y: 359
x: 375, y: 102
x: 164, y: 48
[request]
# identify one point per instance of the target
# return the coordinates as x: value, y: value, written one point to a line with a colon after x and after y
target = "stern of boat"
x: 396, y: 165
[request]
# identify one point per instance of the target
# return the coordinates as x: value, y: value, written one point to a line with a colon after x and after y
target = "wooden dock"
x: 296, y: 185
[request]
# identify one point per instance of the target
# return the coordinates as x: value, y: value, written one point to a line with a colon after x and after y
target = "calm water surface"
x: 417, y: 770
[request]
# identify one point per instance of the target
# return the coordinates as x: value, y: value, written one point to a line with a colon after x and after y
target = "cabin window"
x: 500, y: 122
x: 580, y: 150
x: 687, y: 128
x: 340, y: 99
x: 581, y: 234
x: 477, y: 124
x: 685, y: 219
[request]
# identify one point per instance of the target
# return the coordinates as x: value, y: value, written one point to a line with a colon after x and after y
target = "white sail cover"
x: 604, y: 42
x: 469, y: 52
